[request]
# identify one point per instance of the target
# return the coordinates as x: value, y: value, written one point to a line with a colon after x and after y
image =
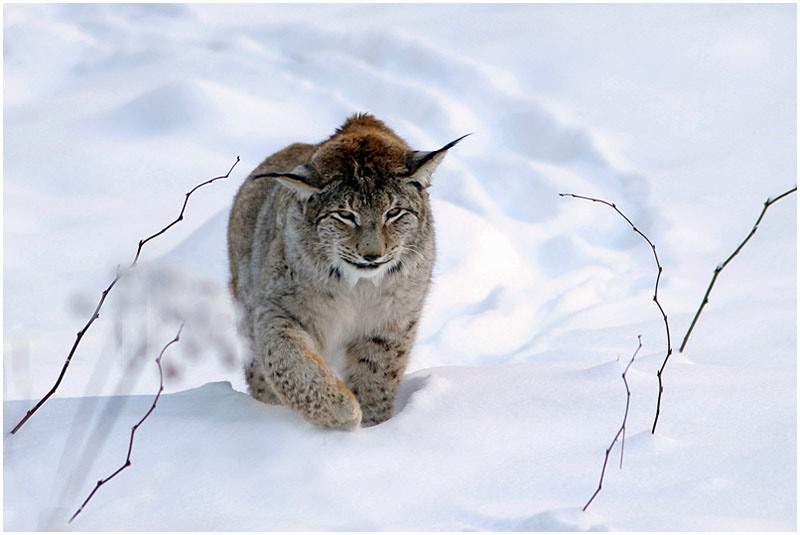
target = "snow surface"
x: 683, y: 115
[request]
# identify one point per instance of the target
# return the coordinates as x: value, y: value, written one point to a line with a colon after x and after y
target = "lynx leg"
x: 301, y: 379
x: 254, y: 371
x: 375, y: 368
x: 257, y: 383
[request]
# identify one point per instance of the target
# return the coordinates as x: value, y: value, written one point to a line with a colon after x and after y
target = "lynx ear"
x: 298, y: 180
x: 421, y: 165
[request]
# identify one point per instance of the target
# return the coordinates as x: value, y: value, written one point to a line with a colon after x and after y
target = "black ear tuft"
x: 291, y: 176
x: 421, y: 165
x: 298, y: 180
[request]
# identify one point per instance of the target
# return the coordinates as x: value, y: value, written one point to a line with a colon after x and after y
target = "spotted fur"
x: 331, y: 249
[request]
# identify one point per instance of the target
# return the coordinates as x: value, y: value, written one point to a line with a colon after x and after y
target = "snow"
x: 682, y: 115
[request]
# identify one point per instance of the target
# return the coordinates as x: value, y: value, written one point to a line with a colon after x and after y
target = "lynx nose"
x: 371, y: 245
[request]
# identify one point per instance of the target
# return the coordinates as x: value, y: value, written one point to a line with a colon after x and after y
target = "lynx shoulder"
x: 331, y: 249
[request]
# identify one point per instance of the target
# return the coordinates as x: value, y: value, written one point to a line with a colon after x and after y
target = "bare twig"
x: 127, y: 462
x: 719, y: 268
x: 622, y: 429
x: 655, y: 295
x: 628, y: 399
x: 96, y: 314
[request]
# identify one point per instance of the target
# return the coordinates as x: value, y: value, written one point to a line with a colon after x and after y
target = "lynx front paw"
x: 375, y: 417
x: 339, y: 410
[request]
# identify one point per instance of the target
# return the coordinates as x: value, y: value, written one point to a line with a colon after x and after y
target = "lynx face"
x: 367, y: 235
x: 364, y: 202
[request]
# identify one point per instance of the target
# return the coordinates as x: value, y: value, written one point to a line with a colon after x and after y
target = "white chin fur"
x: 353, y: 274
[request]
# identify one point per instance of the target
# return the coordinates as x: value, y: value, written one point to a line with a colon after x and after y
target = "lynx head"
x: 364, y: 201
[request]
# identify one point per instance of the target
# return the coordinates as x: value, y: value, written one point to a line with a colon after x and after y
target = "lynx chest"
x: 365, y: 310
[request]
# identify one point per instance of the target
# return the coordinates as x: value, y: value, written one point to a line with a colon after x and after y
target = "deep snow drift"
x: 684, y: 116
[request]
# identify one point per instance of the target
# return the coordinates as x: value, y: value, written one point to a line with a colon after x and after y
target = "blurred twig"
x: 127, y: 462
x: 719, y: 268
x: 622, y: 429
x: 96, y: 314
x: 655, y: 294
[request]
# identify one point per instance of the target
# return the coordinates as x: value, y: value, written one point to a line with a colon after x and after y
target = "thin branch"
x: 719, y: 268
x: 628, y: 400
x: 655, y: 295
x: 96, y: 314
x: 127, y: 462
x: 183, y: 209
x: 622, y: 429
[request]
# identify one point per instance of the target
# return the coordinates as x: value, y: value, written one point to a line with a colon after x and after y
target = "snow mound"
x: 164, y: 110
x: 196, y: 454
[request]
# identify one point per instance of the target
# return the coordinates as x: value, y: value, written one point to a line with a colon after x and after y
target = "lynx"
x: 331, y: 249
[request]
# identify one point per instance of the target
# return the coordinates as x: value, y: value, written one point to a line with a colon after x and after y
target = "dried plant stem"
x: 96, y: 314
x: 655, y: 295
x: 127, y: 462
x: 622, y: 430
x: 719, y: 268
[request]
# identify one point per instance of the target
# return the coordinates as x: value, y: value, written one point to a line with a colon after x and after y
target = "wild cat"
x: 331, y: 249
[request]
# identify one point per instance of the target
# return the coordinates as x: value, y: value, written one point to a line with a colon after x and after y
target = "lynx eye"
x: 345, y: 216
x: 394, y: 214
